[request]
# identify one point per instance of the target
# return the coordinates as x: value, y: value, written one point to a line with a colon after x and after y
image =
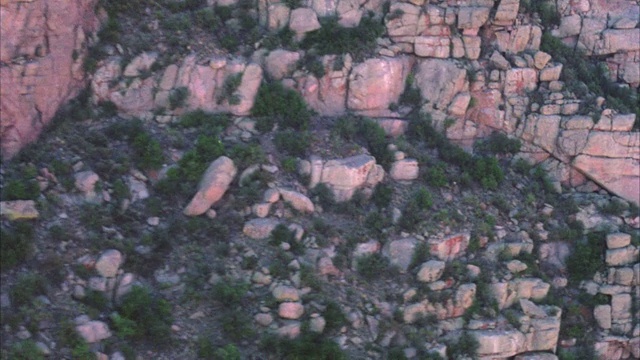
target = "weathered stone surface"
x: 602, y: 314
x: 214, y: 184
x: 404, y: 170
x: 281, y: 63
x: 622, y: 256
x: 346, y: 175
x: 290, y: 310
x: 405, y: 25
x: 519, y: 81
x: 536, y: 356
x: 541, y: 59
x: 519, y: 38
x: 263, y: 319
x: 450, y: 247
x: 432, y: 46
x: 499, y: 62
x: 499, y: 344
x: 259, y: 228
x: 572, y: 142
x: 532, y: 310
x: 618, y: 175
x: 400, y: 252
x: 86, y: 181
x: 613, y: 144
x: 618, y: 240
x: 440, y: 81
x: 507, y: 12
x: 551, y: 73
x: 278, y: 16
x: 109, y: 262
x: 19, y: 210
x: 140, y: 63
x: 431, y: 271
x: 298, y: 201
x: 94, y: 331
x: 46, y: 34
x: 621, y: 307
x: 285, y: 293
x: 376, y: 83
x: 472, y: 17
x: 303, y: 20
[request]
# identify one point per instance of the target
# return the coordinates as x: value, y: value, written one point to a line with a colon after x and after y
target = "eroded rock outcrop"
x: 42, y: 49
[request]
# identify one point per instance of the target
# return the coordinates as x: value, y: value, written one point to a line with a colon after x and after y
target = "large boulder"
x: 42, y: 49
x: 214, y: 184
x: 345, y: 176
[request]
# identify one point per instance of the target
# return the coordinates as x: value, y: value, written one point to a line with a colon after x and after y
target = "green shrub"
x: 382, y: 195
x: 291, y: 142
x: 143, y: 316
x: 183, y: 178
x: 229, y: 293
x: 27, y: 288
x: 332, y: 38
x: 284, y: 38
x: 346, y: 127
x: 245, y: 155
x: 16, y: 245
x: 466, y: 345
x: 586, y: 258
x: 289, y: 164
x: 376, y: 141
x: 436, y: 176
x: 282, y: 234
x: 229, y: 88
x: 372, y: 266
x: 420, y: 255
x: 308, y: 346
x: 498, y: 143
x: 422, y: 199
x: 178, y: 97
x: 323, y: 195
x: 148, y: 152
x: 23, y: 189
x: 201, y: 118
x: 275, y: 103
x: 334, y: 316
x: 25, y: 350
x: 487, y: 171
x: 206, y: 19
x: 411, y: 95
x: 236, y: 324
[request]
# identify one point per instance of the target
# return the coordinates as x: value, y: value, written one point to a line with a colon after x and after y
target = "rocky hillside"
x: 324, y: 180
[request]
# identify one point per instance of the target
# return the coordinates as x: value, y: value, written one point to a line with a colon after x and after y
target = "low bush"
x: 229, y: 88
x: 382, y: 195
x: 498, y: 143
x: 245, y: 155
x: 229, y: 293
x: 323, y: 195
x: 25, y: 350
x: 276, y: 104
x: 332, y: 38
x: 27, y: 288
x: 293, y: 143
x: 308, y: 346
x: 144, y: 316
x: 202, y: 119
x: 178, y: 97
x: 16, y: 245
x: 465, y: 346
x: 586, y: 258
x: 372, y: 266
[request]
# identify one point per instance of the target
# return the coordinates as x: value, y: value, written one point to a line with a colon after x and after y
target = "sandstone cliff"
x: 42, y: 50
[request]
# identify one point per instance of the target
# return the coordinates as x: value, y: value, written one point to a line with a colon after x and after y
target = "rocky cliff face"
x: 476, y: 63
x: 42, y: 50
